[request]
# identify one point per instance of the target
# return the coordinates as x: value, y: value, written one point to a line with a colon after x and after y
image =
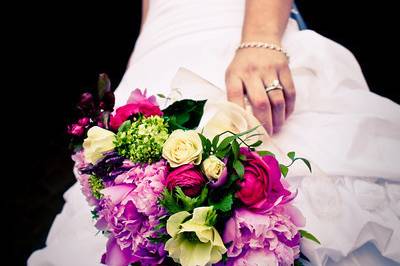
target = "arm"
x: 145, y: 9
x: 252, y: 69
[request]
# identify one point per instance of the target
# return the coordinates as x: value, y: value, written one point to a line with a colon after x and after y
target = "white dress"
x: 351, y: 134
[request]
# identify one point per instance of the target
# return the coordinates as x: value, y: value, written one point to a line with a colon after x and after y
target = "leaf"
x: 192, y: 109
x: 291, y: 155
x: 206, y: 143
x: 161, y: 95
x: 239, y: 168
x: 306, y: 163
x: 125, y: 126
x: 103, y: 85
x: 265, y: 153
x: 182, y: 118
x: 309, y: 236
x: 225, y: 142
x: 235, y: 149
x: 256, y: 144
x: 225, y: 204
x: 242, y: 157
x: 215, y: 141
x: 188, y: 203
x: 169, y: 202
x: 284, y: 169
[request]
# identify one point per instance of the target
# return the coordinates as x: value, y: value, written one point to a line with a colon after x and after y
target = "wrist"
x: 262, y: 37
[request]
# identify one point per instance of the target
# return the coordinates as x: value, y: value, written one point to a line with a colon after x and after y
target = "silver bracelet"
x: 263, y: 45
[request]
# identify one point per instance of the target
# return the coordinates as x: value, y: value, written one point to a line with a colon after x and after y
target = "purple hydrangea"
x: 272, y: 238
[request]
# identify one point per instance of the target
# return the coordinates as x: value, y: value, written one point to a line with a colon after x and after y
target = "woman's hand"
x: 250, y: 72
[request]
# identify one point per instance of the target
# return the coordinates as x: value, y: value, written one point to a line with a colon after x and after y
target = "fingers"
x: 235, y: 90
x: 259, y: 102
x: 288, y: 89
x: 277, y: 100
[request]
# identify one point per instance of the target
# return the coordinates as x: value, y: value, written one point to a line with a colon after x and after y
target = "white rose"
x: 183, y: 147
x: 213, y: 167
x: 98, y: 141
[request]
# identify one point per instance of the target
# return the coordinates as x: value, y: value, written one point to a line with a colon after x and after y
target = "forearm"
x: 265, y: 20
x: 145, y: 9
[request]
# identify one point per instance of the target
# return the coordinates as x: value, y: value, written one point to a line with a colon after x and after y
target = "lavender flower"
x: 272, y: 238
x: 130, y: 212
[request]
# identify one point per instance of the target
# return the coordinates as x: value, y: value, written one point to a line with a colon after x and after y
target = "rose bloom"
x: 262, y: 187
x: 137, y: 103
x: 213, y: 168
x: 188, y: 178
x: 98, y: 141
x: 183, y: 147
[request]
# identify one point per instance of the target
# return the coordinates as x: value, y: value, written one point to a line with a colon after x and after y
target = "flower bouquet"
x: 165, y: 192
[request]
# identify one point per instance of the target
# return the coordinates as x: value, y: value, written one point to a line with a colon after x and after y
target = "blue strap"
x: 295, y: 14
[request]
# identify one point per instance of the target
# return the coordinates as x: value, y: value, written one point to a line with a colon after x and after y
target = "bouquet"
x: 165, y: 192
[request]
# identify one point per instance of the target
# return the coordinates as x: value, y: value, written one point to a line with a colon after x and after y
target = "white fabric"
x: 352, y: 199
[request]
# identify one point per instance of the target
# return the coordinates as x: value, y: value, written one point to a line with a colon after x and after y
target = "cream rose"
x: 183, y: 147
x: 213, y: 167
x: 98, y: 141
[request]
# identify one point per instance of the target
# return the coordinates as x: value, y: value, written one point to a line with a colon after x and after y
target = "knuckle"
x: 279, y: 103
x: 290, y: 94
x: 251, y: 68
x: 260, y: 104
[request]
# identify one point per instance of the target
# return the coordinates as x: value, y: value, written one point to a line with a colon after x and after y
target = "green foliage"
x: 292, y: 156
x: 96, y: 184
x: 142, y: 140
x: 184, y: 114
x: 309, y: 236
x: 224, y: 205
x: 177, y: 201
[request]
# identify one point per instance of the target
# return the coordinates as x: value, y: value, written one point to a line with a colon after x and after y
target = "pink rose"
x: 137, y: 103
x: 188, y: 178
x: 262, y: 186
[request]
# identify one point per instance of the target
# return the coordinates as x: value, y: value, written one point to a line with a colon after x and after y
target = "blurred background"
x: 61, y: 47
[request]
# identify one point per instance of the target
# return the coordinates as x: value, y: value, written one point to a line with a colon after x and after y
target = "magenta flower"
x: 262, y: 187
x: 130, y: 212
x: 137, y: 103
x: 272, y: 236
x: 188, y: 178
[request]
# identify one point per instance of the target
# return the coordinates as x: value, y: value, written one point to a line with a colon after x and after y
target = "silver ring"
x: 275, y: 85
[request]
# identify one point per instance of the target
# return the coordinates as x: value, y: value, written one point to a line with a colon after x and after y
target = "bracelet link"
x: 263, y: 45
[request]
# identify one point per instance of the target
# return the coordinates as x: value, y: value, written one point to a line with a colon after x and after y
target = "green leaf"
x: 291, y: 155
x: 242, y: 157
x: 284, y: 169
x: 193, y: 111
x: 169, y: 202
x: 239, y: 168
x: 256, y: 144
x: 215, y: 142
x: 225, y: 142
x: 103, y: 85
x: 206, y: 143
x: 306, y: 163
x: 161, y: 95
x: 125, y: 126
x: 235, y: 149
x: 225, y: 204
x: 265, y: 153
x: 309, y: 236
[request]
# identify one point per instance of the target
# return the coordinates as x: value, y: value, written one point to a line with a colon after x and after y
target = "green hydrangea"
x: 96, y: 184
x: 143, y: 139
